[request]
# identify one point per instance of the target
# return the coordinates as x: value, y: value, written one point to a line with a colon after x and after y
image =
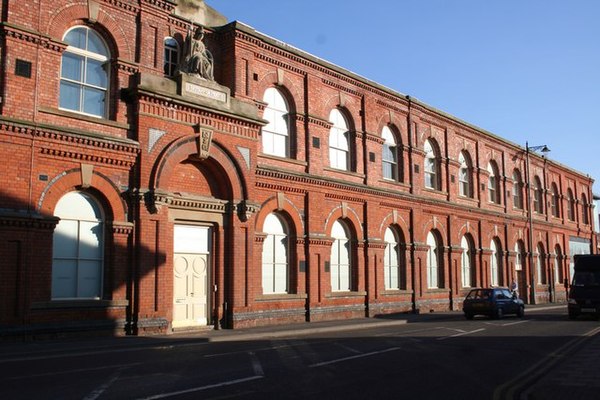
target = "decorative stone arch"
x: 280, y: 204
x: 466, y: 229
x: 394, y: 219
x: 79, y: 13
x: 84, y: 179
x: 280, y: 81
x: 345, y: 104
x: 434, y: 224
x: 219, y: 161
x: 348, y: 215
x: 396, y: 124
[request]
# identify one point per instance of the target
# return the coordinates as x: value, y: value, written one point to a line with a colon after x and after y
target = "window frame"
x: 339, y: 141
x: 518, y: 185
x: 67, y: 209
x: 82, y: 85
x: 342, y: 245
x: 279, y: 127
x: 271, y: 261
x: 465, y: 177
x: 390, y: 147
x: 431, y: 178
x: 171, y: 51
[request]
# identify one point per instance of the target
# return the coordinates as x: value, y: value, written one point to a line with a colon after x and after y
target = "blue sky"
x: 525, y: 70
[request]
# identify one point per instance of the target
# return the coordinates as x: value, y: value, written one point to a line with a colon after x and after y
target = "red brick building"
x: 159, y: 176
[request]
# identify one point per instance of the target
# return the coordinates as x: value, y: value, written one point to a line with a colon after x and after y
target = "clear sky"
x: 525, y: 70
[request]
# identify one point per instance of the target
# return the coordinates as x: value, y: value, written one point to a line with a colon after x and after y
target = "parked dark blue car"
x: 493, y: 302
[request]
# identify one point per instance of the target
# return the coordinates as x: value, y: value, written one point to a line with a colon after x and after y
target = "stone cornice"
x: 9, y: 219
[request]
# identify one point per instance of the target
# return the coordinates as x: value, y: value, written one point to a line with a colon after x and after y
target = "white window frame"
x: 339, y: 141
x: 517, y: 190
x: 433, y: 267
x: 341, y: 259
x: 493, y: 184
x: 465, y: 188
x: 276, y: 134
x: 275, y: 256
x: 389, y: 156
x: 430, y: 166
x: 494, y: 264
x: 82, y: 84
x: 391, y: 261
x: 466, y: 262
x: 78, y: 248
x: 171, y: 56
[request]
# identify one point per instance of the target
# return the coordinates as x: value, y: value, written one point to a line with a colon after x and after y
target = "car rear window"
x: 479, y: 294
x: 586, y: 278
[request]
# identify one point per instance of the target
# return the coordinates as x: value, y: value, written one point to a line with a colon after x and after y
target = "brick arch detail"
x: 70, y: 181
x: 181, y: 149
x: 440, y: 226
x: 351, y: 217
x: 290, y: 211
x: 73, y: 14
x: 290, y: 90
x: 399, y: 224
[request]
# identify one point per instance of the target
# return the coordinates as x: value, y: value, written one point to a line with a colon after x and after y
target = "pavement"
x: 571, y: 372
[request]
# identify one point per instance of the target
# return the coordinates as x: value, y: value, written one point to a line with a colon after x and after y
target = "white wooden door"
x: 190, y: 270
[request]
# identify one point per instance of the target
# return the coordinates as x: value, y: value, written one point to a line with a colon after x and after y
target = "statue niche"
x: 197, y: 59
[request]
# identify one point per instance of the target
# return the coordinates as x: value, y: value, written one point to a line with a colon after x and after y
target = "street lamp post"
x: 544, y: 149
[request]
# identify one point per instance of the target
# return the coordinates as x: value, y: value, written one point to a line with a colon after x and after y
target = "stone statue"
x: 198, y: 60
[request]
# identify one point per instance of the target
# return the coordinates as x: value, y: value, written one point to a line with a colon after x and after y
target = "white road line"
x: 95, y: 394
x: 516, y: 322
x: 350, y: 349
x: 256, y: 365
x: 461, y: 334
x: 201, y: 388
x: 353, y: 357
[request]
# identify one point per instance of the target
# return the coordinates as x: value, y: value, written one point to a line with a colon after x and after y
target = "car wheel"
x: 499, y: 313
x: 469, y: 316
x: 521, y: 312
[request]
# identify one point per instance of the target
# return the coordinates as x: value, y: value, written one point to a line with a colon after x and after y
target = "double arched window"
x: 276, y: 134
x: 275, y: 256
x: 84, y: 73
x: 78, y: 248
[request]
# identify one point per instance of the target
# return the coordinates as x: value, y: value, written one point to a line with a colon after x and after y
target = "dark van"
x: 584, y: 296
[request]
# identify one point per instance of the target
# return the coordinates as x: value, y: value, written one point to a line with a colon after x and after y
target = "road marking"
x: 71, y: 371
x: 201, y: 388
x: 256, y: 365
x: 461, y: 334
x: 515, y: 323
x: 96, y: 393
x: 350, y: 349
x: 353, y: 357
x: 528, y: 378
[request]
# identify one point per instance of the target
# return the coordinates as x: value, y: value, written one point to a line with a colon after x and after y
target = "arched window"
x: 391, y: 261
x: 465, y: 180
x: 585, y: 219
x: 555, y: 201
x: 519, y: 255
x: 540, y: 264
x: 84, y: 72
x: 466, y: 259
x: 517, y: 190
x: 558, y: 272
x: 341, y: 278
x: 171, y: 59
x: 78, y: 248
x: 432, y: 180
x: 493, y: 183
x: 339, y: 141
x: 570, y: 205
x: 275, y: 256
x: 434, y: 262
x: 390, y: 155
x: 538, y: 196
x: 496, y: 263
x: 276, y: 134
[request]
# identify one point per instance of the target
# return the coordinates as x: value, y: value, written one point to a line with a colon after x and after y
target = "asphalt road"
x: 425, y: 357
